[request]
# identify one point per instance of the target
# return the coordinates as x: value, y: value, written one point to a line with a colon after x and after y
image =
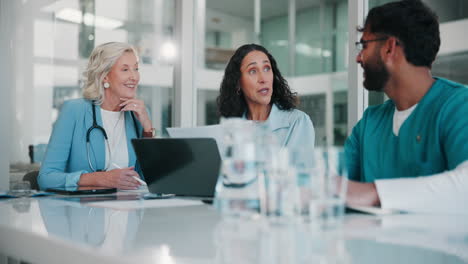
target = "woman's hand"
x: 138, y: 107
x: 117, y: 178
x: 121, y: 178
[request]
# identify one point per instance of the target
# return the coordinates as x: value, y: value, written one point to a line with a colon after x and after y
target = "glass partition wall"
x: 452, y: 59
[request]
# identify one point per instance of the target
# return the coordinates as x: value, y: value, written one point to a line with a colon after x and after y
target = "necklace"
x: 116, y: 134
x: 118, y: 121
x: 115, y: 129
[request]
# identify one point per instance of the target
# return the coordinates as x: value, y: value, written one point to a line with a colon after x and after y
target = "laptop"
x: 180, y: 166
x: 211, y: 131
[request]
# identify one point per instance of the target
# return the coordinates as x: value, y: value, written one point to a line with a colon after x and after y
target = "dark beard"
x: 376, y: 76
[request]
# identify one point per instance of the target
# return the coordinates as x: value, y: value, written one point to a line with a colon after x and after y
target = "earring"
x: 238, y: 91
x: 106, y: 85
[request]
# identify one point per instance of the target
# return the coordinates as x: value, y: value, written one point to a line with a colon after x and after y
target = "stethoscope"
x: 103, y: 131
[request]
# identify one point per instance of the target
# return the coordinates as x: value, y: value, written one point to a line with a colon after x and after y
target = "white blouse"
x: 114, y: 124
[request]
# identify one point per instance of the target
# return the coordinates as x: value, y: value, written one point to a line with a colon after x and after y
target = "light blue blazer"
x: 293, y: 128
x: 66, y: 157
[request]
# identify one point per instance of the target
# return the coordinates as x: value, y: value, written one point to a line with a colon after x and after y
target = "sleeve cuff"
x: 71, y: 180
x: 400, y: 194
x: 391, y: 193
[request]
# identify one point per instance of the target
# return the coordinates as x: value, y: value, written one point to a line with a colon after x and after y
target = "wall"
x: 7, y: 45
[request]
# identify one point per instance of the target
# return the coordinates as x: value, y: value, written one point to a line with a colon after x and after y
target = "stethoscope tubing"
x: 103, y: 131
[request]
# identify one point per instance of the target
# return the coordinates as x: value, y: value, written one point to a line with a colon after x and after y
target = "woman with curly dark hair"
x: 254, y: 89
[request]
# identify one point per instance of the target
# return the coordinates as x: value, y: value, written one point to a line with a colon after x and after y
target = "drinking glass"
x: 301, y: 167
x: 237, y: 189
x: 328, y: 184
x: 281, y: 196
x: 20, y: 188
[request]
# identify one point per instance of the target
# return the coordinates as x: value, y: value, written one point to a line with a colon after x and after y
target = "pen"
x: 139, y: 180
x: 134, y: 177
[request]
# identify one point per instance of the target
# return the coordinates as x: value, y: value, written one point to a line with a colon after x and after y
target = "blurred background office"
x: 184, y: 46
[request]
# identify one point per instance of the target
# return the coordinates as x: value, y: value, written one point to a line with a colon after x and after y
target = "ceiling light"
x: 168, y: 51
x: 76, y: 16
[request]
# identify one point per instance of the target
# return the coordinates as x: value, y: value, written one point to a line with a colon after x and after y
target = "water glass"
x: 20, y: 188
x: 281, y: 193
x: 328, y: 184
x: 301, y: 167
x: 237, y: 190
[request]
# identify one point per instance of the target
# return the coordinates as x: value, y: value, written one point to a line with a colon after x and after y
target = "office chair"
x: 31, y: 177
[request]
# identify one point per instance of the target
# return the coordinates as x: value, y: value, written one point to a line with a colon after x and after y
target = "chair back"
x: 31, y: 177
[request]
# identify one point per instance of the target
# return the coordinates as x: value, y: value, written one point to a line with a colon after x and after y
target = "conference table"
x: 127, y: 230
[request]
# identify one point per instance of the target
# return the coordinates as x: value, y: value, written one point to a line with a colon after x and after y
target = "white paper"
x: 212, y: 131
x: 142, y: 189
x: 374, y: 210
x: 139, y: 204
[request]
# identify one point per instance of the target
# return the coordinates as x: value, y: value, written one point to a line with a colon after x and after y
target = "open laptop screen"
x: 180, y: 166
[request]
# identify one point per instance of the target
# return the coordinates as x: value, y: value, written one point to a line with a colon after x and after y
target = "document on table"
x: 139, y: 204
x: 212, y: 131
x: 372, y: 210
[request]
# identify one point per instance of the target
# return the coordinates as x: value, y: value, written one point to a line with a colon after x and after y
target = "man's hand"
x: 362, y: 194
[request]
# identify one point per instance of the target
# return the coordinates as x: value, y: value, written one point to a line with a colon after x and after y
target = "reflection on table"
x: 172, y: 231
x: 105, y: 229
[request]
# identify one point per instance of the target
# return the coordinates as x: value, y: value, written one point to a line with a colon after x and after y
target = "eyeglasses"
x: 360, y: 45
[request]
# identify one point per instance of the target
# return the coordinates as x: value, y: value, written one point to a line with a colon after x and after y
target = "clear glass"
x: 20, y: 188
x: 227, y: 25
x: 237, y: 190
x: 328, y: 185
x: 281, y: 199
x: 321, y: 64
x: 301, y: 166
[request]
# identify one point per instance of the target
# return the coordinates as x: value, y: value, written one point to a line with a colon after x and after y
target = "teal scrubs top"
x: 66, y: 157
x: 293, y: 128
x: 433, y: 139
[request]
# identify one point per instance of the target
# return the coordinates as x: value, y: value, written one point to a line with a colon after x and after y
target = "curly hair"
x: 232, y: 104
x: 414, y: 24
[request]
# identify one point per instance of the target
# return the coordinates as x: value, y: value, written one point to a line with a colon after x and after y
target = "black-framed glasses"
x: 360, y: 45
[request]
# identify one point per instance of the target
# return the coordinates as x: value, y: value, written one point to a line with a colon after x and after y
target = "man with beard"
x: 411, y: 152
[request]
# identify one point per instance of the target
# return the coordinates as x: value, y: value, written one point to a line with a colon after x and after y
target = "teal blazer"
x: 66, y: 157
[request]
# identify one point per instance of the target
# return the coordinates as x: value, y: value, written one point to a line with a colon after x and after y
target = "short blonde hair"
x: 100, y: 63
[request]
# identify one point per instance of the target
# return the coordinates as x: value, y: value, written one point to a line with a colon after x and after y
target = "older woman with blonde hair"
x: 90, y: 143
